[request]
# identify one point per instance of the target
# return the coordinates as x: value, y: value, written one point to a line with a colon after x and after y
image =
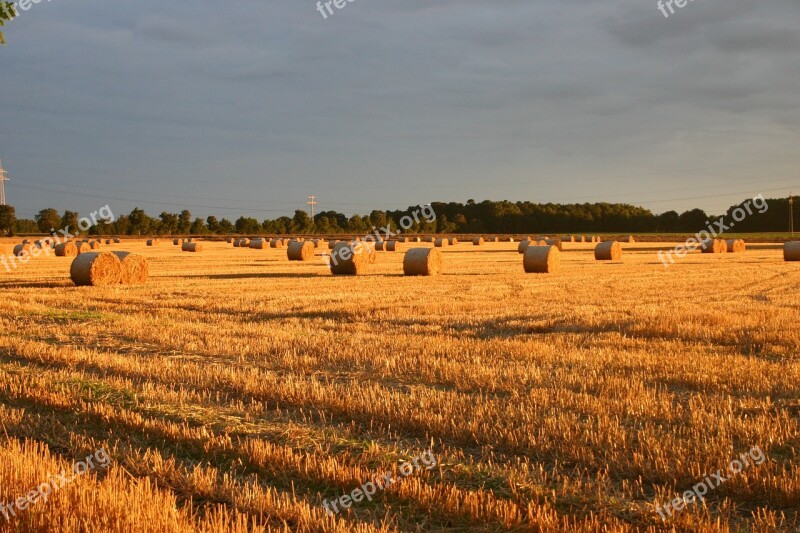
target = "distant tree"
x: 199, y: 227
x: 140, y: 223
x: 184, y: 221
x: 47, y: 220
x: 247, y: 225
x: 169, y: 223
x: 301, y: 222
x: 213, y: 224
x: 8, y: 220
x: 26, y: 225
x: 225, y: 226
x: 69, y: 222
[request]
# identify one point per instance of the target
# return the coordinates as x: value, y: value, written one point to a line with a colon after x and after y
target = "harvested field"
x: 231, y: 397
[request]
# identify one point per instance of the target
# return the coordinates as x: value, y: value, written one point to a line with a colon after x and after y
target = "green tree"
x: 48, y: 220
x: 213, y: 224
x: 301, y: 222
x: 8, y: 220
x: 226, y: 227
x: 169, y: 222
x: 184, y: 221
x: 198, y: 227
x: 25, y: 225
x: 247, y: 225
x: 69, y: 222
x: 140, y: 223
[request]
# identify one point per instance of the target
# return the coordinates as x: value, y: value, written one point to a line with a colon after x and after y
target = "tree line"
x: 452, y: 217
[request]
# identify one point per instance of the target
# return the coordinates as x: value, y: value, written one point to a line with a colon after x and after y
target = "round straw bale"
x: 116, y: 240
x: 380, y: 246
x: 109, y: 241
x: 25, y: 241
x: 300, y: 251
x: 791, y: 251
x: 83, y: 247
x: 152, y: 242
x: 555, y: 242
x: 332, y: 243
x: 189, y: 239
x: 541, y: 259
x: 568, y: 238
x: 135, y: 269
x: 349, y: 259
x: 415, y: 239
x: 66, y: 249
x: 177, y: 242
x: 630, y: 239
x: 441, y: 243
x: 24, y: 249
x: 428, y: 239
x: 736, y: 246
x: 96, y: 269
x: 95, y: 245
x: 715, y: 246
x: 259, y: 244
x: 402, y: 239
x: 608, y: 251
x: 478, y: 241
x: 192, y: 247
x: 276, y: 243
x: 422, y: 262
x: 523, y: 245
x: 391, y: 246
x: 452, y: 241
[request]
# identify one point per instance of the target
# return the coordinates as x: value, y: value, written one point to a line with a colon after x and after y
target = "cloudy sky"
x: 247, y: 107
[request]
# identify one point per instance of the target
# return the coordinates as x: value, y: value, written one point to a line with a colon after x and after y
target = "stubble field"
x: 237, y: 391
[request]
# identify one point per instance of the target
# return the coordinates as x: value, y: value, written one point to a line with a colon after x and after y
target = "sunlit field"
x: 237, y: 390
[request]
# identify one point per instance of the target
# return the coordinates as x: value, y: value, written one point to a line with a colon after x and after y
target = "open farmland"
x: 237, y: 391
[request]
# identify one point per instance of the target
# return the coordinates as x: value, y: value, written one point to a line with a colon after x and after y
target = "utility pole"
x: 3, y: 180
x: 312, y: 202
x: 791, y: 214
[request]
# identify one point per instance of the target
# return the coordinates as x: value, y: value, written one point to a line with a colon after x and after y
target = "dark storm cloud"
x: 388, y: 104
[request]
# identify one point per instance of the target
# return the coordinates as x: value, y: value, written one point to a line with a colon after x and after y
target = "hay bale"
x: 422, y: 262
x: 229, y: 240
x: 428, y: 239
x: 715, y: 246
x: 630, y: 239
x: 380, y: 245
x: 83, y: 247
x: 391, y: 246
x: 95, y: 245
x: 441, y: 243
x: 452, y: 241
x: 608, y: 251
x: 191, y: 247
x: 116, y: 240
x: 478, y: 241
x: 791, y: 251
x: 152, y: 242
x: 135, y: 269
x: 555, y: 242
x: 276, y: 243
x: 523, y: 245
x: 108, y: 242
x: 259, y: 244
x: 24, y: 249
x: 568, y: 238
x: 736, y: 246
x: 66, y: 249
x: 403, y: 239
x: 300, y: 251
x: 96, y: 269
x: 332, y: 243
x: 541, y: 259
x: 177, y: 242
x: 349, y: 259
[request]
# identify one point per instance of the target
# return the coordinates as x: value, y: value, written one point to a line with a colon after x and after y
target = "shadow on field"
x: 253, y: 275
x: 36, y: 284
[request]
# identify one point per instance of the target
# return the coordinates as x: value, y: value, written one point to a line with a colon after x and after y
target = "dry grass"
x: 236, y: 391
